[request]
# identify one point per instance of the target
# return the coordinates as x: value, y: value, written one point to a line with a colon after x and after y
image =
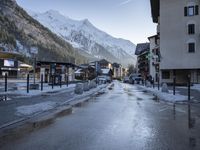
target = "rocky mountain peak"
x: 84, y: 35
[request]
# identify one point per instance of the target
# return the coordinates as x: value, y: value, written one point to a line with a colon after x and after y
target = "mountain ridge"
x: 19, y: 32
x: 84, y: 35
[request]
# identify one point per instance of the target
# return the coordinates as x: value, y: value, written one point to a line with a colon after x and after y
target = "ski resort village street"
x: 122, y: 117
x: 100, y: 75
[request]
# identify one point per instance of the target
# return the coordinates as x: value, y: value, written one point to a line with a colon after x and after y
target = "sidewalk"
x: 17, y: 88
x: 23, y: 107
x: 180, y: 96
x: 194, y: 92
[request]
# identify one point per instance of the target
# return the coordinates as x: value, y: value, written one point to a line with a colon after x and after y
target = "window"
x: 191, y: 47
x: 191, y: 10
x: 165, y: 74
x: 191, y: 29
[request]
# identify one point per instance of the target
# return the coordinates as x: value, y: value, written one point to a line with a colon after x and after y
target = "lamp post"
x: 96, y: 71
x: 34, y: 52
x: 189, y: 84
x: 34, y: 68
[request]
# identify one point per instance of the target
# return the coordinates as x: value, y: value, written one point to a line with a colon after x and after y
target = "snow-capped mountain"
x: 86, y: 37
x: 19, y: 33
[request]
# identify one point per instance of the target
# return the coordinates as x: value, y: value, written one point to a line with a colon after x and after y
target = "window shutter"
x: 185, y: 11
x: 193, y: 28
x: 196, y: 10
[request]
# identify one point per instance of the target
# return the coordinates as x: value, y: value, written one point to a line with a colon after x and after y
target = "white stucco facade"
x: 175, y: 39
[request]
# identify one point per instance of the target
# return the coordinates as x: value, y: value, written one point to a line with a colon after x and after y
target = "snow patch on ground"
x: 32, y: 109
x: 166, y: 96
x: 45, y: 90
x: 27, y: 110
x: 21, y: 90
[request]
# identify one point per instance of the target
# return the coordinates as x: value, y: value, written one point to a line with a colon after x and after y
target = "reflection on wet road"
x: 125, y: 118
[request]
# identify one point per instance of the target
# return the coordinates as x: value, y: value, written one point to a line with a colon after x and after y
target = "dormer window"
x: 191, y: 10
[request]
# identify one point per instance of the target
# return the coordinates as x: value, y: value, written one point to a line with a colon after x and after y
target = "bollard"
x: 60, y: 81
x: 42, y: 82
x: 67, y: 76
x: 153, y: 83
x: 6, y: 82
x: 52, y: 81
x: 27, y: 83
x: 189, y: 78
x: 174, y: 86
x: 67, y: 80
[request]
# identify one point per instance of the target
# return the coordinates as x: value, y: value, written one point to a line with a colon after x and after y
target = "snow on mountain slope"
x: 83, y: 35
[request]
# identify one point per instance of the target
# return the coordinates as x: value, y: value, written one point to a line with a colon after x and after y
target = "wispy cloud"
x: 125, y: 2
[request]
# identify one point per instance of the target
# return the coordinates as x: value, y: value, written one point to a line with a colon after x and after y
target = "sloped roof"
x: 155, y: 6
x: 103, y: 61
x: 142, y: 47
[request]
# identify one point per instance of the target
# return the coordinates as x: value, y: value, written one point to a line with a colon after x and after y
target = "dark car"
x: 135, y: 78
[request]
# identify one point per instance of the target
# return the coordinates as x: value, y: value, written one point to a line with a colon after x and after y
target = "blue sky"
x: 128, y: 19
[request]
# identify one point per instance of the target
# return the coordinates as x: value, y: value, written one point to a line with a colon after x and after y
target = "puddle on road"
x: 139, y: 99
x: 144, y: 91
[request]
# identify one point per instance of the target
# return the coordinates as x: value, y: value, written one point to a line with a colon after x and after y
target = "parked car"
x: 135, y: 78
x: 126, y: 80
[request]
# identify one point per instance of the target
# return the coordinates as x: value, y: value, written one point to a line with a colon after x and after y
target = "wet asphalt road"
x: 124, y: 118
